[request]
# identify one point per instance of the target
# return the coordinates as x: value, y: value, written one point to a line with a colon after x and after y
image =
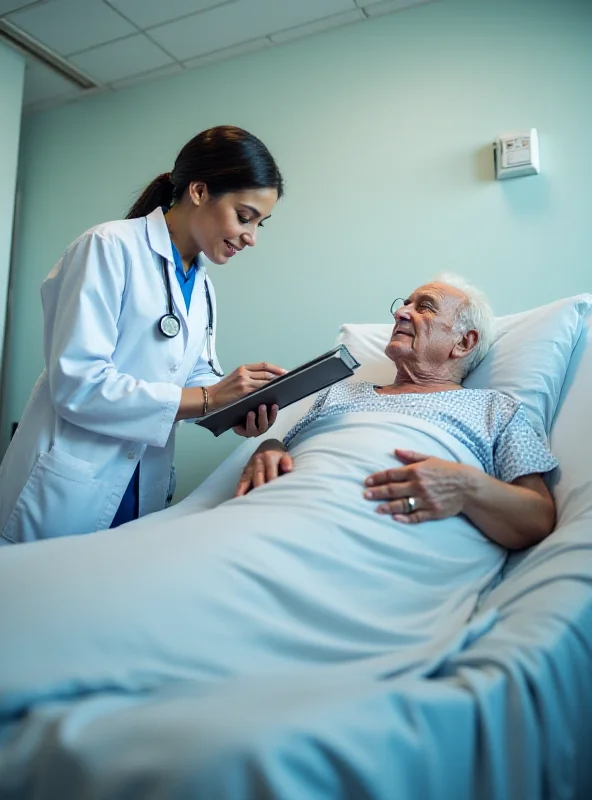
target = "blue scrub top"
x: 186, y: 280
x: 128, y: 508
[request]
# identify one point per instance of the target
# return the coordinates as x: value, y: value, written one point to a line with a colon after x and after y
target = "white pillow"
x: 528, y: 360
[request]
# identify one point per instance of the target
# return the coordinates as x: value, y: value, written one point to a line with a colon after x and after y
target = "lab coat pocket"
x: 67, y: 466
x: 60, y: 498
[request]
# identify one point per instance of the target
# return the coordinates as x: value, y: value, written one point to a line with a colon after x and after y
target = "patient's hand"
x: 438, y: 488
x: 268, y: 462
x: 513, y: 515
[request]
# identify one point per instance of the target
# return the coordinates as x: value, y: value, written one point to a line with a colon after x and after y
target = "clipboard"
x: 331, y: 367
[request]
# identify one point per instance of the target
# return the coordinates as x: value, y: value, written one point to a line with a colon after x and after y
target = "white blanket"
x: 298, y: 575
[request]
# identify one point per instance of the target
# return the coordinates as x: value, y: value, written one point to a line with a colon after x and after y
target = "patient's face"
x: 424, y: 327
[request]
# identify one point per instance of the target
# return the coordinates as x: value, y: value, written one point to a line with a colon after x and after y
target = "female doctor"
x: 129, y: 345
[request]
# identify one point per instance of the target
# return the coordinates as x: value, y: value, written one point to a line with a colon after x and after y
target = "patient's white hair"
x: 474, y: 314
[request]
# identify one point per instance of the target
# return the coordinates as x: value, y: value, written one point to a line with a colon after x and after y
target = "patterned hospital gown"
x: 491, y: 424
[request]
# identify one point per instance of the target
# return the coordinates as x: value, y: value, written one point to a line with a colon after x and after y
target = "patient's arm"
x: 515, y: 515
x: 269, y: 461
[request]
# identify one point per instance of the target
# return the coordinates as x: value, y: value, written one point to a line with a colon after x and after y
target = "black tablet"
x: 321, y: 372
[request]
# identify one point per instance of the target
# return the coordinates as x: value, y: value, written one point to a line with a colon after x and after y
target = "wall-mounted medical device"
x: 516, y: 155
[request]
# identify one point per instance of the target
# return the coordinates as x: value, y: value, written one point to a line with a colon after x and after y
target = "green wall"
x: 12, y: 76
x: 384, y: 132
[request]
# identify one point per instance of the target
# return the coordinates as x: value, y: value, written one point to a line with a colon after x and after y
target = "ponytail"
x: 226, y: 159
x: 158, y: 193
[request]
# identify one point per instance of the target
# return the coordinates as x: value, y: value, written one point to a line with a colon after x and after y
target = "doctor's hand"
x: 257, y: 423
x: 268, y: 462
x: 243, y: 380
x: 426, y: 488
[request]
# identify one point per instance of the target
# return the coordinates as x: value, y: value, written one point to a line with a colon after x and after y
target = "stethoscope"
x: 170, y: 324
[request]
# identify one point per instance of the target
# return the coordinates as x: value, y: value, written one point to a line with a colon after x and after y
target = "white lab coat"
x: 111, y: 387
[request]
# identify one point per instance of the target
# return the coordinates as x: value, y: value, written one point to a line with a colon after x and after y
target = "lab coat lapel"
x: 160, y: 242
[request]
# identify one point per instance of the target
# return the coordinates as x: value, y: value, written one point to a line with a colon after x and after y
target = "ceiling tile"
x: 228, y: 52
x: 336, y: 21
x: 42, y: 83
x: 121, y: 59
x: 70, y: 26
x: 376, y: 8
x: 6, y: 6
x: 153, y: 75
x: 148, y: 13
x: 239, y: 22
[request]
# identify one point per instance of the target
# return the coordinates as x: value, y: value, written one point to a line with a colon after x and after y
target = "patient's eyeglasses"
x: 396, y: 304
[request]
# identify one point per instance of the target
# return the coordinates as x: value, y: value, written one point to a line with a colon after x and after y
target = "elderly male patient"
x: 316, y: 563
x: 442, y: 331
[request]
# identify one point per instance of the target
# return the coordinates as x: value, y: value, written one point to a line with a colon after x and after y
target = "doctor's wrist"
x: 192, y: 403
x: 213, y: 400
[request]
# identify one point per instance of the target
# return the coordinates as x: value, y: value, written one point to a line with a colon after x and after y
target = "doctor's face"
x: 223, y: 226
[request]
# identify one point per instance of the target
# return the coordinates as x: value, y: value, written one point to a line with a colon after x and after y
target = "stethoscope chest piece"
x: 169, y: 325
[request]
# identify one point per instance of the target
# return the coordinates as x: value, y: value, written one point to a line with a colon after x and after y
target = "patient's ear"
x: 468, y: 343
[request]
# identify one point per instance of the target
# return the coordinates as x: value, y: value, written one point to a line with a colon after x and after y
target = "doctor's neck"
x: 177, y: 222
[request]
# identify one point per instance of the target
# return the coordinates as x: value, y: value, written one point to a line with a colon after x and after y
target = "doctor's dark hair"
x: 226, y: 159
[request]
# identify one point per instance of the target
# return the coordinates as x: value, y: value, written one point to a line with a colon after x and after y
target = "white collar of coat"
x: 159, y: 238
x: 158, y: 234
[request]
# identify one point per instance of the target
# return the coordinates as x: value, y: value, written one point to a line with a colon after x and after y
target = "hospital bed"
x: 504, y: 714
